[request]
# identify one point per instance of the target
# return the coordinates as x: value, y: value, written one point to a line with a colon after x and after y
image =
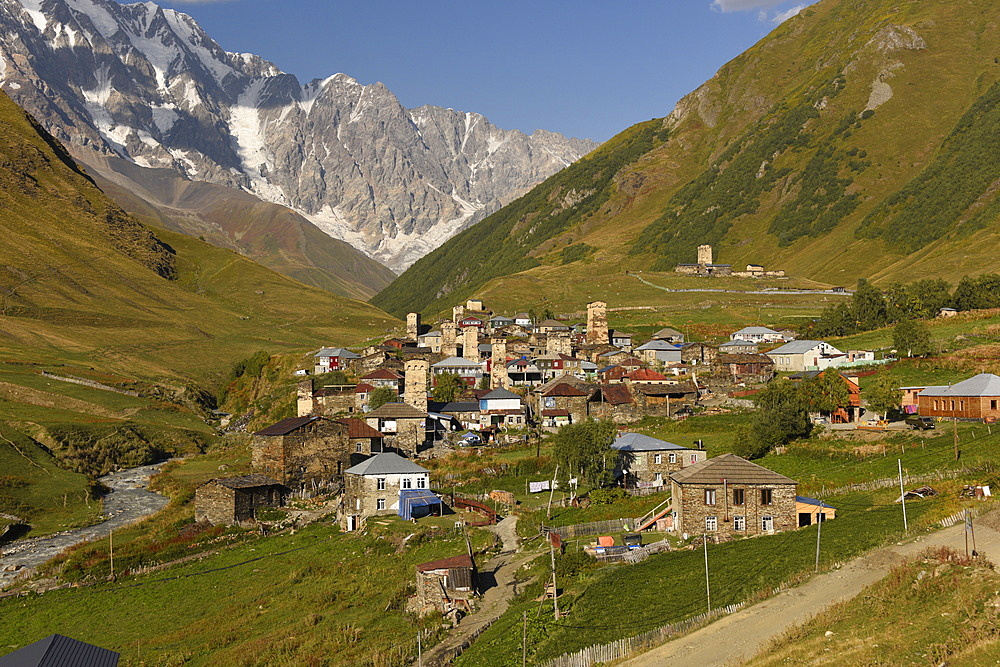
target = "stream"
x: 129, y: 501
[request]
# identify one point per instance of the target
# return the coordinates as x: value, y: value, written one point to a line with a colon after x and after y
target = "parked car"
x: 920, y: 423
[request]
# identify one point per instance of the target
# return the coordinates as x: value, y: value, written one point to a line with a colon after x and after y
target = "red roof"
x: 646, y: 375
x: 364, y: 388
x: 616, y: 394
x: 564, y: 389
x: 356, y: 428
x: 446, y: 563
x: 382, y: 374
x: 631, y: 361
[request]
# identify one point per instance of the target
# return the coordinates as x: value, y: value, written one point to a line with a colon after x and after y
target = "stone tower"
x: 304, y: 398
x: 558, y: 342
x: 449, y: 344
x: 415, y: 387
x: 498, y: 363
x: 705, y: 254
x: 412, y: 325
x: 470, y: 343
x: 597, y: 323
x: 457, y: 313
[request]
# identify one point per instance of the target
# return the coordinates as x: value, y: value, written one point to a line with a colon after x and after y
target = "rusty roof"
x: 565, y: 389
x: 646, y: 375
x: 286, y: 426
x: 729, y: 467
x: 447, y: 563
x: 616, y: 394
x: 357, y: 428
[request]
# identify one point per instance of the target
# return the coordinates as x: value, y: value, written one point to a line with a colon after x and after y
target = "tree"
x: 448, y: 387
x: 333, y: 377
x: 584, y: 449
x: 826, y: 392
x: 381, y: 396
x: 781, y: 417
x: 882, y: 395
x: 912, y: 338
x: 869, y: 306
x: 484, y: 382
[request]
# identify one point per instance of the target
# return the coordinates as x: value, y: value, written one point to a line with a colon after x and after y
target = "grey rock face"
x: 147, y: 83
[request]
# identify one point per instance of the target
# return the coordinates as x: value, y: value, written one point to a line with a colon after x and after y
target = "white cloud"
x: 743, y: 5
x: 781, y: 17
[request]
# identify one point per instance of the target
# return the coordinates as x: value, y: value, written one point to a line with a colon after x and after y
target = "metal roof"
x: 397, y: 411
x: 337, y: 352
x: 499, y: 392
x: 457, y: 362
x: 247, y: 481
x: 657, y: 345
x: 984, y: 384
x: 447, y: 563
x: 813, y: 501
x: 738, y: 342
x: 386, y: 463
x: 357, y: 428
x: 729, y: 467
x: 286, y: 426
x: 60, y: 651
x: 637, y: 442
x: 755, y: 330
x: 801, y: 347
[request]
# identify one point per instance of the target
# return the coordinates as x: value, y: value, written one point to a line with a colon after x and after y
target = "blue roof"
x: 419, y: 497
x: 813, y: 501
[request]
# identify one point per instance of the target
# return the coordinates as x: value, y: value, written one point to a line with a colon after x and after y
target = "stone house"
x: 669, y: 335
x: 659, y: 352
x: 335, y: 399
x: 646, y: 462
x: 621, y: 340
x: 372, y: 488
x: 362, y: 440
x: 384, y: 377
x: 698, y: 353
x: 550, y: 326
x: 404, y: 426
x: 465, y: 413
x: 302, y: 450
x: 727, y: 497
x: 232, y: 500
x: 447, y: 584
x: 468, y: 370
x: 665, y: 400
x: 738, y: 346
x: 614, y: 402
x: 522, y: 372
x: 975, y: 398
x: 561, y: 395
x: 430, y: 340
x: 752, y: 368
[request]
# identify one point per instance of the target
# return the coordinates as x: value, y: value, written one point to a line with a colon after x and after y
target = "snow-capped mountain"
x: 148, y: 84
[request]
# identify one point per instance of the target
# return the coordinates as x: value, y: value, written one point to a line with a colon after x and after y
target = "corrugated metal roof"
x: 616, y: 394
x: 637, y: 442
x: 800, y: 347
x: 498, y: 393
x: 286, y: 426
x: 447, y: 563
x: 337, y: 352
x: 813, y: 501
x: 755, y: 330
x: 729, y: 467
x: 382, y: 374
x: 386, y: 463
x: 60, y: 651
x: 984, y: 384
x: 357, y: 428
x: 247, y: 481
x: 456, y: 362
x: 565, y: 389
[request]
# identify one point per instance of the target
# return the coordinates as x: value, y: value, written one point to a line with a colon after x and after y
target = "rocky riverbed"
x: 129, y: 501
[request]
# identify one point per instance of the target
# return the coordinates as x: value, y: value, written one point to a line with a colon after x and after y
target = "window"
x: 961, y: 405
x: 765, y: 496
x: 739, y: 523
x: 406, y: 483
x: 993, y: 404
x: 767, y: 524
x: 420, y: 482
x: 953, y: 405
x: 739, y: 497
x: 657, y: 458
x: 380, y: 504
x: 694, y: 459
x: 672, y: 457
x: 658, y: 478
x: 381, y: 483
x: 711, y: 524
x: 709, y: 496
x: 357, y: 447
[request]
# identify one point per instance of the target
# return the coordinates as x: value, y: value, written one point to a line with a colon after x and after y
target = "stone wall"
x: 689, y: 503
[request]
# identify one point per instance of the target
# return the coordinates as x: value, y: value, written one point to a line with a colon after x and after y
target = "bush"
x: 607, y: 496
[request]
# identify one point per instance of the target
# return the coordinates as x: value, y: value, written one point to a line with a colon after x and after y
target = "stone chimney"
x: 415, y: 387
x: 559, y: 342
x: 412, y: 325
x: 449, y: 344
x: 470, y: 343
x: 304, y: 395
x: 597, y: 323
x: 498, y: 363
x: 705, y: 254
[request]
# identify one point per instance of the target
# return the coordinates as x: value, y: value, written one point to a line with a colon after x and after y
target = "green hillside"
x: 858, y: 139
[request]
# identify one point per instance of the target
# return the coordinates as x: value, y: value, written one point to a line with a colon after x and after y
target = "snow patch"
x: 33, y: 8
x: 247, y: 129
x: 102, y: 91
x: 99, y: 16
x: 192, y: 37
x: 164, y: 117
x: 310, y: 91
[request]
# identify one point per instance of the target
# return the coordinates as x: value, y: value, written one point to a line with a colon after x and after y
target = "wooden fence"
x: 888, y: 482
x: 633, y: 556
x: 592, y: 528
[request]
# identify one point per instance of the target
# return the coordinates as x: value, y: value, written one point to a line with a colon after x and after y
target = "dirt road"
x: 738, y: 637
x: 494, y: 603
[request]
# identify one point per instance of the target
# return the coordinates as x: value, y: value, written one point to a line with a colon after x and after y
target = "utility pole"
x: 902, y: 493
x: 708, y: 588
x: 968, y: 524
x: 524, y: 641
x: 552, y: 488
x: 555, y: 588
x: 111, y: 539
x: 954, y: 422
x: 420, y: 652
x: 819, y: 531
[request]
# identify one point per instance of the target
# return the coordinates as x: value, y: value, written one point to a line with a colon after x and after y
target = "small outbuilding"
x: 812, y: 510
x: 233, y: 500
x: 60, y: 651
x: 447, y: 584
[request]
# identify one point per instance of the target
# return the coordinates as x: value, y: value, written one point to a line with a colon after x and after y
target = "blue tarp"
x: 415, y: 503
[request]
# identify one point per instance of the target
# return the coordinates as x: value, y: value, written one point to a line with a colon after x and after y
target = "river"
x: 130, y: 500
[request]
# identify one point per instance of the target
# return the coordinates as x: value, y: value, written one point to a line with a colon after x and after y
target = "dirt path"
x: 494, y: 603
x: 738, y: 637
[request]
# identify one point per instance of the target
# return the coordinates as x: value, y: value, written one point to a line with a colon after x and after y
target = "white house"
x: 333, y: 359
x: 373, y: 486
x: 468, y: 370
x: 501, y: 407
x: 758, y: 335
x: 659, y: 351
x: 803, y: 355
x: 522, y: 320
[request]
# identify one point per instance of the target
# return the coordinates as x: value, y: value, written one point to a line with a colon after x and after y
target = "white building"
x: 758, y: 335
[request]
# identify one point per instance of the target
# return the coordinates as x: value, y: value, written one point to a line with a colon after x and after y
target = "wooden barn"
x: 447, y: 584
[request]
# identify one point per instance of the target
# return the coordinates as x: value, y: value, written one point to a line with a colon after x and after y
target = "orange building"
x: 975, y: 398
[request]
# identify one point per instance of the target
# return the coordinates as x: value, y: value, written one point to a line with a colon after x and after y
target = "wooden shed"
x: 447, y: 584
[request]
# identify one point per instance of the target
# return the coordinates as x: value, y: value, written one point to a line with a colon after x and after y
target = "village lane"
x: 129, y: 501
x: 736, y: 638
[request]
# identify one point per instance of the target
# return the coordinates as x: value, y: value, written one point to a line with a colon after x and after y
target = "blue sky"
x: 585, y: 68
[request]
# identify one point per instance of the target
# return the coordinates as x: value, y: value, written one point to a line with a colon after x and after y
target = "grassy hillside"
x: 270, y: 234
x: 858, y: 129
